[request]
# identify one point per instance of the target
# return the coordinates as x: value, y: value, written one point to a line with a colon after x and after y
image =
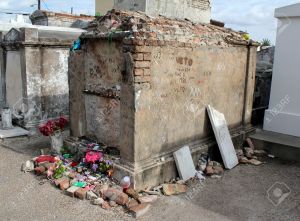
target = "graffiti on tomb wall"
x: 183, y: 83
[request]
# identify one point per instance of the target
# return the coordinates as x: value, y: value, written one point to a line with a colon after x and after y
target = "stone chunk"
x: 132, y: 193
x: 260, y: 153
x: 250, y: 144
x: 113, y: 203
x: 81, y: 193
x: 71, y: 191
x: 39, y: 170
x: 148, y: 199
x: 105, y: 205
x: 209, y: 170
x: 100, y: 189
x: 255, y: 162
x: 72, y: 175
x: 184, y: 163
x: 116, y: 195
x: 28, y: 166
x: 132, y: 203
x: 98, y: 201
x: 173, y: 189
x: 248, y: 152
x: 64, y: 184
x: 140, y: 210
x: 90, y: 195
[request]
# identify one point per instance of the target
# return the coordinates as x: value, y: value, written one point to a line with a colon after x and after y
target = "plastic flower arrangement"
x: 59, y: 170
x: 105, y: 166
x: 53, y: 126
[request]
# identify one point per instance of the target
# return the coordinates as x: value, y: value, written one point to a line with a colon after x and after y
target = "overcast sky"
x: 253, y: 16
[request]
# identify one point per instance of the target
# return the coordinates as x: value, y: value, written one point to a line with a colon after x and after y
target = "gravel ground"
x: 241, y: 194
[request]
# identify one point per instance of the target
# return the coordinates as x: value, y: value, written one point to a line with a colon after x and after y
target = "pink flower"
x: 92, y: 157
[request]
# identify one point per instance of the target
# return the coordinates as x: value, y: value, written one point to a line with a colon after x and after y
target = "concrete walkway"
x: 240, y: 195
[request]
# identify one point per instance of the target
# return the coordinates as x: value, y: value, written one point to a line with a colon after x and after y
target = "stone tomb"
x: 145, y: 91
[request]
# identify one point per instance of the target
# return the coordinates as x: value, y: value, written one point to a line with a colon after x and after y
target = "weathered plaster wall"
x: 103, y: 75
x: 45, y: 74
x: 194, y: 10
x: 76, y: 88
x: 13, y: 78
x: 182, y: 82
x: 2, y: 76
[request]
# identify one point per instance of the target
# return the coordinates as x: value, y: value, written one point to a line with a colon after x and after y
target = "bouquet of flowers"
x: 53, y: 126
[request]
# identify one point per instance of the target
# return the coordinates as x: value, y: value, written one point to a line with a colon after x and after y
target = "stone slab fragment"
x: 14, y: 132
x: 223, y: 137
x: 184, y: 163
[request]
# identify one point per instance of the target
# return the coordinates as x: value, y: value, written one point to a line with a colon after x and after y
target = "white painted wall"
x: 283, y: 115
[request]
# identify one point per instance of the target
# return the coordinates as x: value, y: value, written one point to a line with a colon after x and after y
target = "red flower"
x: 52, y: 126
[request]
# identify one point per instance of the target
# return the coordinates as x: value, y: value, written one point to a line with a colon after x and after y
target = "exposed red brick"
x: 65, y: 184
x: 147, y: 56
x: 147, y: 72
x: 116, y: 195
x: 138, y: 42
x: 142, y: 79
x: 81, y: 193
x: 105, y: 205
x: 39, y: 170
x: 174, y: 189
x: 132, y: 203
x: 161, y: 43
x: 138, y: 56
x: 143, y: 49
x: 142, y: 64
x: 138, y: 72
x: 151, y: 35
x: 58, y: 181
x: 151, y: 42
x: 148, y: 199
x: 140, y: 210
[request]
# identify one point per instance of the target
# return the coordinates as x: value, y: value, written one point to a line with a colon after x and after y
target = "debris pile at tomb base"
x: 86, y: 173
x: 248, y: 155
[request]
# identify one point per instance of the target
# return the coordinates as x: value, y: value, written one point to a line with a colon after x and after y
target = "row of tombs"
x: 144, y: 88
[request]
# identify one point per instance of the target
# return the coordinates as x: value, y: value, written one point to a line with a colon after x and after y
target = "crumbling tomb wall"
x: 103, y: 66
x: 171, y: 111
x: 146, y: 88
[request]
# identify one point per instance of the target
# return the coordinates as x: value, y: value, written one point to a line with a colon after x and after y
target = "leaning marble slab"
x: 223, y: 137
x: 184, y: 163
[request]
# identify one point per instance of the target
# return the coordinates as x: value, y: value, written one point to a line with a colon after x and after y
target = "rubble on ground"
x: 86, y: 173
x: 248, y: 155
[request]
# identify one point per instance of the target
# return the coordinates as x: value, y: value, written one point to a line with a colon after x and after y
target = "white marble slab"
x: 184, y: 163
x: 223, y: 137
x: 14, y: 132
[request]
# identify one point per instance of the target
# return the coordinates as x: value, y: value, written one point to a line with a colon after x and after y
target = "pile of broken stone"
x: 86, y: 174
x: 89, y: 178
x: 248, y: 154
